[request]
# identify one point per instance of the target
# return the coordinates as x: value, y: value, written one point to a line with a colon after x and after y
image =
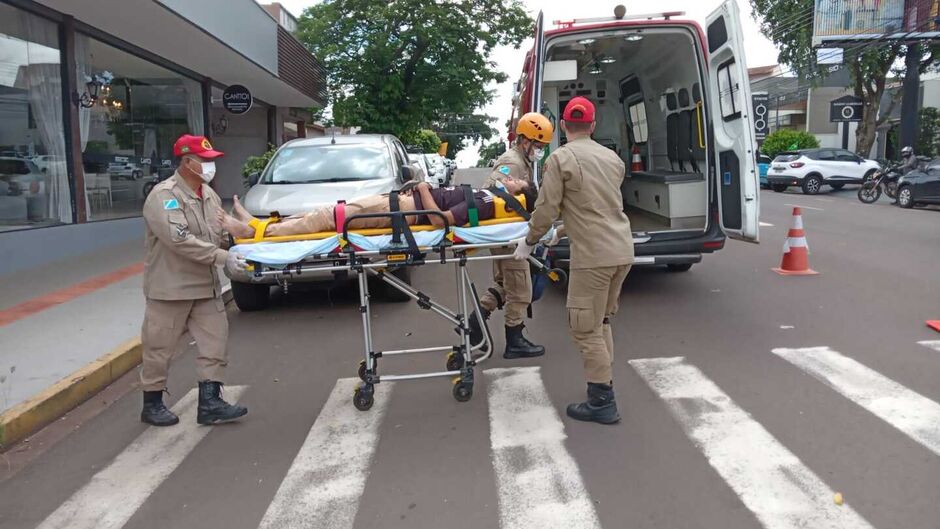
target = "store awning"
x: 231, y: 42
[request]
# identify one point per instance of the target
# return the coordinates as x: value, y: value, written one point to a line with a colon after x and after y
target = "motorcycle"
x: 885, y: 180
x: 154, y: 180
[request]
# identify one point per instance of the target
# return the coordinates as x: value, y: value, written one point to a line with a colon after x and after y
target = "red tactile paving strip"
x: 28, y: 308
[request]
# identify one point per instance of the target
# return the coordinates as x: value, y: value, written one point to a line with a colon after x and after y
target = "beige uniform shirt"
x: 581, y: 184
x: 183, y: 242
x: 512, y: 163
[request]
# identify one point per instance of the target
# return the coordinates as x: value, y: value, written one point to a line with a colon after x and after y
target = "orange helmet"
x: 535, y: 127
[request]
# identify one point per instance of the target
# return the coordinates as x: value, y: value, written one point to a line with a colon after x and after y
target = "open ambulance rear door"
x: 535, y: 101
x: 734, y: 163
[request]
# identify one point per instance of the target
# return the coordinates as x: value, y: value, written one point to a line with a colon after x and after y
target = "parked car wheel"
x: 836, y: 187
x: 812, y: 184
x: 906, y: 197
x: 779, y: 188
x: 684, y: 267
x: 250, y: 297
x: 390, y: 293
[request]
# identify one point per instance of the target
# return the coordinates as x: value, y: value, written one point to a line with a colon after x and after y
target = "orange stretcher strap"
x: 365, y: 232
x: 339, y: 215
x: 260, y: 226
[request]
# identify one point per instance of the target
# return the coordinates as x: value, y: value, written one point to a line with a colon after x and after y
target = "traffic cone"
x: 636, y: 164
x: 934, y: 324
x: 795, y: 250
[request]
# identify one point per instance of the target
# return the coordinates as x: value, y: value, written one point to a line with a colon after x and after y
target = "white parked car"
x: 811, y: 169
x: 439, y: 173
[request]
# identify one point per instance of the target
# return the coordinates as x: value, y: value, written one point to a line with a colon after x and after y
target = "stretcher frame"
x: 461, y: 358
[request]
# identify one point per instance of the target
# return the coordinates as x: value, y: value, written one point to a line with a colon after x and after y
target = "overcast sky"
x: 760, y: 51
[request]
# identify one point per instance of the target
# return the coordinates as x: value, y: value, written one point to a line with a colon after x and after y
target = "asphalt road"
x: 748, y: 400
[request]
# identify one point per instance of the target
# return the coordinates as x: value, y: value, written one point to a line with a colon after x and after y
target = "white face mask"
x: 208, y: 171
x: 537, y: 154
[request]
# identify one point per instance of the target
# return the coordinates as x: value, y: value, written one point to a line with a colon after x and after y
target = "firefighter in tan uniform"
x: 184, y: 240
x: 581, y: 184
x: 512, y: 290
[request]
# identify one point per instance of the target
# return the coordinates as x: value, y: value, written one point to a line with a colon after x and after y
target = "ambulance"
x: 673, y: 101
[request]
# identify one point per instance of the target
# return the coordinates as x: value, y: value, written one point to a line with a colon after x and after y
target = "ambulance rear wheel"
x: 250, y: 297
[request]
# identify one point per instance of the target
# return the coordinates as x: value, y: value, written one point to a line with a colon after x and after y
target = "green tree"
x: 789, y: 24
x: 397, y: 67
x: 424, y: 139
x: 928, y: 139
x: 456, y: 130
x: 490, y: 152
x: 788, y: 140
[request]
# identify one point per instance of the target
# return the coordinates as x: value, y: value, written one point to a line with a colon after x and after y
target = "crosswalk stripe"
x: 324, y: 484
x: 908, y: 411
x: 116, y: 492
x: 538, y: 481
x: 932, y: 344
x: 770, y: 480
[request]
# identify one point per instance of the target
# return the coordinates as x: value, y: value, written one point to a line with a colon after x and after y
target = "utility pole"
x: 911, y: 96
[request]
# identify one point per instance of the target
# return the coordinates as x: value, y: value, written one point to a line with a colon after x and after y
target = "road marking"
x: 325, y: 482
x: 766, y: 225
x: 114, y: 494
x: 804, y: 207
x: 908, y: 411
x: 539, y: 482
x: 932, y: 344
x: 770, y: 480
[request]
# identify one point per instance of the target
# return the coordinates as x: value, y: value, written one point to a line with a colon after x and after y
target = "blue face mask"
x: 500, y: 185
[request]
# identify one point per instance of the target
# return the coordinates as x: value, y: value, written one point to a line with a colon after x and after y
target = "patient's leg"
x: 237, y: 228
x: 320, y: 219
x: 239, y: 211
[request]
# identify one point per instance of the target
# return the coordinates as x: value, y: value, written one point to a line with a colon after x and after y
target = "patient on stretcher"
x: 451, y: 202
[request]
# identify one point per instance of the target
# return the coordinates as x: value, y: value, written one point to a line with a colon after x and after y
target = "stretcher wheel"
x: 454, y: 362
x: 463, y: 391
x: 363, y: 400
x: 562, y: 276
x: 362, y: 370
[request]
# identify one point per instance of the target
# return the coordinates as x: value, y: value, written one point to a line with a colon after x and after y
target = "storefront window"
x: 127, y: 134
x: 34, y: 180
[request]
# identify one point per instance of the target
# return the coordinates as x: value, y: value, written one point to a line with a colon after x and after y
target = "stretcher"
x: 375, y: 253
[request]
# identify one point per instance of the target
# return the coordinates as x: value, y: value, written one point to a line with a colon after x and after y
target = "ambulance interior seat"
x: 672, y: 197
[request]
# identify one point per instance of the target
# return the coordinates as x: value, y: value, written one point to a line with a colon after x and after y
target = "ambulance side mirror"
x: 253, y: 179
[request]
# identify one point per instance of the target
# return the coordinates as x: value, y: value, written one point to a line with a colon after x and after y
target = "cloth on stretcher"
x: 278, y: 254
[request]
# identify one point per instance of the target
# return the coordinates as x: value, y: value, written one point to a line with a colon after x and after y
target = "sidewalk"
x: 64, y: 317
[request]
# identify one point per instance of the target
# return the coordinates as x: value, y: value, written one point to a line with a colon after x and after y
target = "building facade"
x: 93, y: 93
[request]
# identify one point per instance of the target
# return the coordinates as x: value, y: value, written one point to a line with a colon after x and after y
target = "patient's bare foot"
x: 237, y: 228
x: 239, y: 211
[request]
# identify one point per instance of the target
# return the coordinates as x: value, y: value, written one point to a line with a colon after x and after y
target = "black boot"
x: 600, y: 406
x: 155, y: 412
x: 212, y: 409
x: 517, y: 346
x: 476, y: 332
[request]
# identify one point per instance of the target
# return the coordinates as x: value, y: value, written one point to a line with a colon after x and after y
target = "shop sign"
x: 236, y: 99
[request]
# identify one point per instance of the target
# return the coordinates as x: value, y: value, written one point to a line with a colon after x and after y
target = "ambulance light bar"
x: 565, y: 24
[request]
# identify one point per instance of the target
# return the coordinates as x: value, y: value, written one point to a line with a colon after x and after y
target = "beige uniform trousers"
x: 164, y: 325
x: 514, y: 285
x: 593, y: 298
x: 322, y: 219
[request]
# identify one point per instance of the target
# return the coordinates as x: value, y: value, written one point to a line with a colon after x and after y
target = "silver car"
x: 310, y: 172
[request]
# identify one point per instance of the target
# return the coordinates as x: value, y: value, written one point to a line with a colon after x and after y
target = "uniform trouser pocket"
x: 208, y: 323
x: 164, y: 324
x: 582, y: 318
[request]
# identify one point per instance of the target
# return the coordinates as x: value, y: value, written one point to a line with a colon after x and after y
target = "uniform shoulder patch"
x: 504, y: 169
x: 171, y: 204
